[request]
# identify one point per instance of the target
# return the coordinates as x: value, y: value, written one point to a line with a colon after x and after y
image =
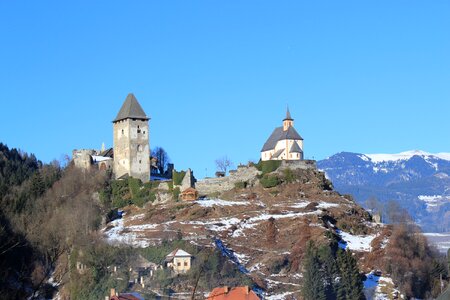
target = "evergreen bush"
x: 269, y: 181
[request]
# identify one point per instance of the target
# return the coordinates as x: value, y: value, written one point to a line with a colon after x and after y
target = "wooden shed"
x: 189, y: 194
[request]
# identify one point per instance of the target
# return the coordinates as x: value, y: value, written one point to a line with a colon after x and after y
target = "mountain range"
x: 418, y: 181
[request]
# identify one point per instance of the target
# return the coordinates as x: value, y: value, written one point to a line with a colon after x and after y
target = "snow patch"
x: 355, y: 242
x: 219, y: 202
x: 377, y: 158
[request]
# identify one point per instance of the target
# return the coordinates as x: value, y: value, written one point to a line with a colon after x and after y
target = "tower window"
x: 140, y: 161
x: 139, y: 148
x: 139, y: 129
x: 122, y: 131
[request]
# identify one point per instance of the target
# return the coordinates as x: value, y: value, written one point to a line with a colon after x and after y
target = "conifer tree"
x: 330, y: 271
x: 350, y: 285
x: 313, y: 285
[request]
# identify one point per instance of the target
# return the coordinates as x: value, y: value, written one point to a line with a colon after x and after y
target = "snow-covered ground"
x: 377, y: 287
x: 355, y: 242
x: 440, y: 240
x: 280, y: 296
x: 219, y: 202
x: 433, y: 202
x: 115, y: 233
x: 322, y: 204
x: 376, y: 158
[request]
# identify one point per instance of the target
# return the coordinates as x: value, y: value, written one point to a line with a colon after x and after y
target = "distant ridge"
x: 406, y: 155
x: 417, y: 180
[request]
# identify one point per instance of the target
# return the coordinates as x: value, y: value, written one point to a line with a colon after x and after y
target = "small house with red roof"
x: 235, y: 293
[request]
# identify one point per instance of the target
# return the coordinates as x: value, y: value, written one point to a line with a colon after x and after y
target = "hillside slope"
x: 263, y: 231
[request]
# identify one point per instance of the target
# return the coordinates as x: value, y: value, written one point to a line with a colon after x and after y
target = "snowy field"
x: 359, y: 243
x: 440, y: 240
x: 433, y: 202
x: 219, y: 202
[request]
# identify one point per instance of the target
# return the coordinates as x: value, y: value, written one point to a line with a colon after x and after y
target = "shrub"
x: 240, y: 184
x: 268, y: 166
x: 176, y: 193
x: 288, y: 175
x: 178, y: 177
x: 269, y: 181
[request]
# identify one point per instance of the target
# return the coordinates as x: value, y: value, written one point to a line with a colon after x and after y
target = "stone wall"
x: 210, y: 186
x: 298, y: 164
x: 82, y: 158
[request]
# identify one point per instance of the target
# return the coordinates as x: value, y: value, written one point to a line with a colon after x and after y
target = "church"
x: 284, y: 143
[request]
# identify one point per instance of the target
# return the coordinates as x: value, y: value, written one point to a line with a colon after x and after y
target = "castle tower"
x: 131, y: 141
x: 288, y: 121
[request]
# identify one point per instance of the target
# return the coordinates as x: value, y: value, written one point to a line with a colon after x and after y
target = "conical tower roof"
x: 131, y: 109
x: 288, y: 115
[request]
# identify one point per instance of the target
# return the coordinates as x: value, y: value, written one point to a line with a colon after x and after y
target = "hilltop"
x: 264, y: 231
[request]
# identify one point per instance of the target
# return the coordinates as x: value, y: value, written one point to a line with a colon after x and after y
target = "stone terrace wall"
x: 249, y: 174
x: 209, y: 186
x: 298, y: 164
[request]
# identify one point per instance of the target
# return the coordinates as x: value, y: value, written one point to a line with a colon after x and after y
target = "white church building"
x: 284, y: 143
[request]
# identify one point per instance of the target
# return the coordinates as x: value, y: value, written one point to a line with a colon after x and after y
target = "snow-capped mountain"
x: 419, y: 181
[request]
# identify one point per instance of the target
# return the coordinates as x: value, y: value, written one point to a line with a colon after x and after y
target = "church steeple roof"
x: 131, y: 109
x: 288, y: 115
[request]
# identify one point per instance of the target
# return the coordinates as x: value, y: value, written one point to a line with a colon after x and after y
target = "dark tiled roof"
x: 278, y: 134
x: 295, y: 148
x: 278, y: 153
x: 445, y: 295
x: 131, y: 109
x: 107, y: 153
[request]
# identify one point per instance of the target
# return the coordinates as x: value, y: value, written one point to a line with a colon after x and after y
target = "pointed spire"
x: 288, y: 115
x: 131, y: 109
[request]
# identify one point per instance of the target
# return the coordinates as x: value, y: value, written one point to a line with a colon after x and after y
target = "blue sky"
x: 215, y: 76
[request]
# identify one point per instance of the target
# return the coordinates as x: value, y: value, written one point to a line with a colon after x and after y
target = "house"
x: 284, y: 143
x: 189, y: 194
x: 179, y: 261
x: 235, y: 293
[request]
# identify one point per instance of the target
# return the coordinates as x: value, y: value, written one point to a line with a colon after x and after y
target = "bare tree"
x: 162, y: 159
x: 223, y: 164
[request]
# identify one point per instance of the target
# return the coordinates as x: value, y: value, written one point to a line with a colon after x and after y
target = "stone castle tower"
x: 131, y: 141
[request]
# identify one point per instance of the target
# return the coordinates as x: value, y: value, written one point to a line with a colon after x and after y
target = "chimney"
x: 113, y: 292
x: 247, y: 290
x: 226, y: 289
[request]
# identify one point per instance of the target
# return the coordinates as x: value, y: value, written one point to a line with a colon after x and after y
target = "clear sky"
x: 216, y: 76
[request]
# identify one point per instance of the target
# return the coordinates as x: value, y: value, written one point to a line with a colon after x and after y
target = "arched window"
x: 139, y: 148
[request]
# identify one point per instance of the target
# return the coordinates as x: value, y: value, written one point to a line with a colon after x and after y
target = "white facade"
x: 284, y: 143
